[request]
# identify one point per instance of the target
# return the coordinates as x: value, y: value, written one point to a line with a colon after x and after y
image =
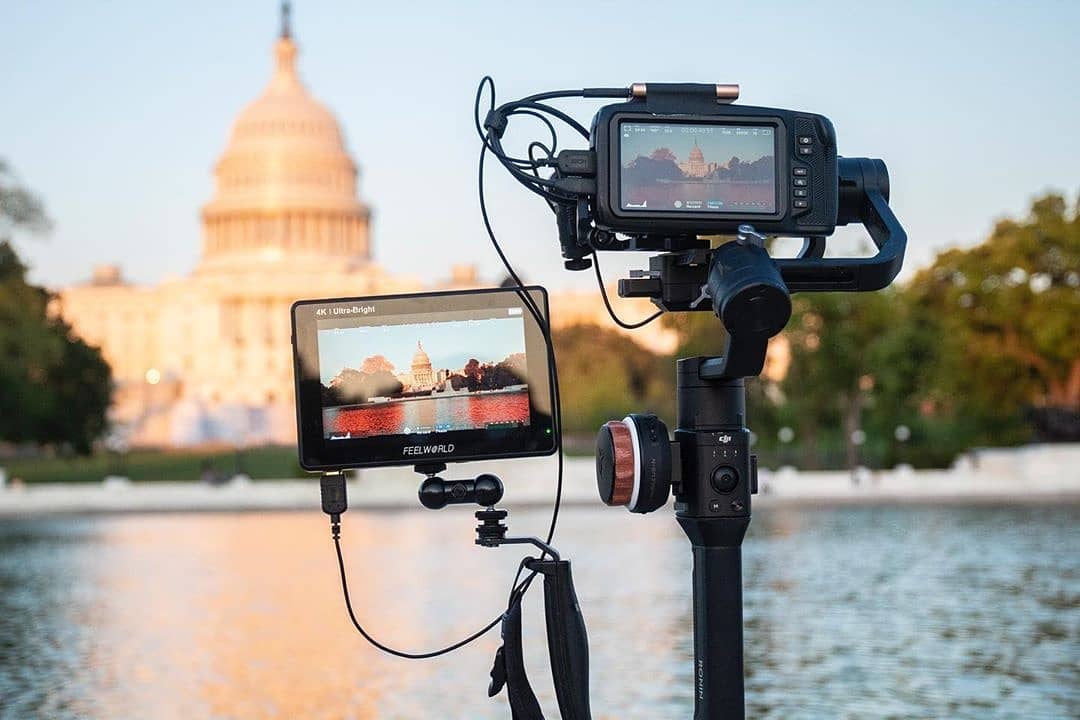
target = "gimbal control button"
x: 715, y: 506
x: 800, y: 171
x: 724, y: 479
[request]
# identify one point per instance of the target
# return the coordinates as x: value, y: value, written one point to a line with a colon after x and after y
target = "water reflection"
x: 454, y: 412
x: 850, y: 613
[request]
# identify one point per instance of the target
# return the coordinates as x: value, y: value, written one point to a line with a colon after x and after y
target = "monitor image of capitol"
x: 206, y: 357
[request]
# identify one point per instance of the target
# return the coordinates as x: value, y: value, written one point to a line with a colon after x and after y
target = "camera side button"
x: 800, y: 181
x: 800, y: 192
x: 800, y: 204
x: 800, y: 171
x: 806, y: 140
x: 806, y: 150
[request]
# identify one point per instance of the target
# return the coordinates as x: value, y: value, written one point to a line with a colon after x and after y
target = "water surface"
x: 870, y: 612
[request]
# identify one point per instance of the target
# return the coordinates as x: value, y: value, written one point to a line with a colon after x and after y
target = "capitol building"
x: 206, y: 357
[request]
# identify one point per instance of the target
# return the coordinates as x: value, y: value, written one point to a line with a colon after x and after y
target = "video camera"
x: 667, y: 169
x: 678, y: 163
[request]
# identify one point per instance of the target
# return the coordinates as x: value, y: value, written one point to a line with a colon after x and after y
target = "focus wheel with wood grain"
x: 633, y: 463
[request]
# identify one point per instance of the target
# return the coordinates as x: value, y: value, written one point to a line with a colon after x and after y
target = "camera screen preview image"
x: 422, y: 374
x: 691, y: 167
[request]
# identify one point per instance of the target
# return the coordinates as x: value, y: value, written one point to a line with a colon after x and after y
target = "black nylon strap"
x: 568, y: 647
x: 509, y: 669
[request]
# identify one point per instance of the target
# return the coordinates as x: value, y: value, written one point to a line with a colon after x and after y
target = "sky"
x: 116, y: 112
x: 448, y: 344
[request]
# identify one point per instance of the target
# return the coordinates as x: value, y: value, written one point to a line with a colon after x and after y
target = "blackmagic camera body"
x: 770, y: 167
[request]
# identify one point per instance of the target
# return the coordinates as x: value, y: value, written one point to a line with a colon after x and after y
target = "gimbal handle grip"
x: 864, y: 198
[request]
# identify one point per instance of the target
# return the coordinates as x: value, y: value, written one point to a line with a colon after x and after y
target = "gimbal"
x: 709, y: 465
x: 798, y: 187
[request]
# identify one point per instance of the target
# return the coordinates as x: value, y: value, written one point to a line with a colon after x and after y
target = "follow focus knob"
x: 633, y: 463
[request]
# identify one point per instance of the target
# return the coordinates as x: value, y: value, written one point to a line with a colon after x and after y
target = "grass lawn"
x: 147, y: 465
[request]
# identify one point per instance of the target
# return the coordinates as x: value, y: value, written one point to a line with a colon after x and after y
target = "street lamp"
x: 785, y: 435
x: 902, y: 433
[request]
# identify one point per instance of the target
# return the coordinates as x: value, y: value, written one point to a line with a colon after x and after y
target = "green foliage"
x: 260, y: 463
x: 1007, y: 317
x: 54, y: 389
x: 19, y: 208
x: 604, y: 375
x: 960, y: 355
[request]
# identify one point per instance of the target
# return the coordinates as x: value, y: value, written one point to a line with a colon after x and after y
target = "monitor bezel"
x: 316, y: 453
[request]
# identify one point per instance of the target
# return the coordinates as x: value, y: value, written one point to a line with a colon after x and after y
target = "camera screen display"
x: 404, y: 379
x: 697, y: 168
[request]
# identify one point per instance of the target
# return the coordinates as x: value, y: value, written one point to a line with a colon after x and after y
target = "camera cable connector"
x: 335, y: 500
x: 334, y: 503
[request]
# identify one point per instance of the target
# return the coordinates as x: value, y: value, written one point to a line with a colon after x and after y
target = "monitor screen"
x: 433, y: 373
x: 393, y: 379
x: 688, y: 167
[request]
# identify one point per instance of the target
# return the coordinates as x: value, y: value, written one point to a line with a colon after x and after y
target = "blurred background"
x: 174, y: 176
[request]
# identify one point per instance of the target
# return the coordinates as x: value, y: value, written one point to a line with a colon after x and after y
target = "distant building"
x: 695, y: 167
x: 422, y: 376
x: 205, y: 357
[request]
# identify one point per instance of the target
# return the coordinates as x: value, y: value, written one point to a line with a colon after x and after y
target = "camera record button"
x: 800, y: 171
x: 806, y: 140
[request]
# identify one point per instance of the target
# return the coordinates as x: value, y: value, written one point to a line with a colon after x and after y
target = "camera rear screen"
x: 423, y: 375
x: 697, y: 168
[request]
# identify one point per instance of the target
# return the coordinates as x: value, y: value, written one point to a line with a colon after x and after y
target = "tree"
x: 473, y: 373
x: 54, y: 388
x: 604, y: 375
x: 1007, y: 314
x: 376, y: 363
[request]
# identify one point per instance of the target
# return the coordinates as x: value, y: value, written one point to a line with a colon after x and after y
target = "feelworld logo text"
x: 445, y: 448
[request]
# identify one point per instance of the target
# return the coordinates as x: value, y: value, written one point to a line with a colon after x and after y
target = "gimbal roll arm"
x: 863, y: 198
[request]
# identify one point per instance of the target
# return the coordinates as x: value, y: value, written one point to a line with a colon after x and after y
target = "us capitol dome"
x: 206, y: 357
x: 285, y: 185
